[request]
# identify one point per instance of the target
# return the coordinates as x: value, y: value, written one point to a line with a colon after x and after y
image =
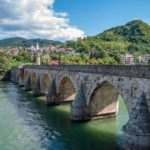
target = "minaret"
x: 38, y: 59
x: 37, y: 46
x: 32, y: 48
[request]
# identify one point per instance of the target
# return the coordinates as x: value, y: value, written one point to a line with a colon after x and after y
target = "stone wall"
x: 129, y: 87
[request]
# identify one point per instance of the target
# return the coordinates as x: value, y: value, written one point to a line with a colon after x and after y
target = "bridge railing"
x: 139, y: 71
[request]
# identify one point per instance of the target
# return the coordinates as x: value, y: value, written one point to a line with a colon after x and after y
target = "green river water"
x: 26, y: 123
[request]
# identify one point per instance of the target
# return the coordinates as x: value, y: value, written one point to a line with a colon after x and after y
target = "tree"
x: 5, y: 61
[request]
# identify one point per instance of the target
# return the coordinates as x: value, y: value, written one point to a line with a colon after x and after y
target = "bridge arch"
x: 33, y: 80
x: 66, y: 89
x: 45, y: 83
x: 103, y: 99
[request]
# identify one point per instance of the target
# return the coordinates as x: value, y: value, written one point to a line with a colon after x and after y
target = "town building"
x: 66, y: 50
x: 144, y: 59
x: 128, y: 59
x: 55, y: 62
x: 1, y: 50
x: 52, y: 48
x: 14, y: 51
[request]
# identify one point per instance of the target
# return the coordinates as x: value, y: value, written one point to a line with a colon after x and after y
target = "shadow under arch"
x: 21, y: 74
x: 103, y: 101
x: 33, y: 80
x: 45, y: 83
x: 26, y: 75
x: 66, y: 90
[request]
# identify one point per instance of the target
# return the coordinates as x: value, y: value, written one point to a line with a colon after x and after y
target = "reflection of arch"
x: 45, y: 83
x: 26, y: 74
x: 66, y: 89
x: 103, y: 100
x: 34, y: 79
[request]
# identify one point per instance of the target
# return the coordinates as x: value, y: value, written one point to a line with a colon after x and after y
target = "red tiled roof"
x: 54, y: 62
x: 14, y: 49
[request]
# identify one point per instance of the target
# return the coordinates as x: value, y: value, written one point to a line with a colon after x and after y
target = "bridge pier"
x: 52, y: 93
x: 137, y: 131
x: 28, y: 85
x: 13, y: 79
x: 16, y: 81
x: 12, y: 76
x: 37, y: 88
x: 21, y: 77
x: 79, y: 110
x: 21, y: 84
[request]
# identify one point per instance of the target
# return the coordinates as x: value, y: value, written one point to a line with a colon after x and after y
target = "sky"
x: 67, y: 19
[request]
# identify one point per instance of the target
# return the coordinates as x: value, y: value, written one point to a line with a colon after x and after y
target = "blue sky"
x: 67, y: 19
x: 94, y: 16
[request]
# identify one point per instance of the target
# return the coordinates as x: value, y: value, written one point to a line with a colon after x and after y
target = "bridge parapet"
x: 138, y: 71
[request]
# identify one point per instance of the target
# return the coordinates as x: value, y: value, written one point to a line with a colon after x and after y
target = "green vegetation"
x: 107, y: 47
x: 7, y: 61
x: 66, y: 58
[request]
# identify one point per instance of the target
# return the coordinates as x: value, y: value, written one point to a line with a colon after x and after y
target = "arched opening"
x: 66, y: 90
x: 45, y: 83
x: 17, y: 77
x: 21, y: 75
x: 26, y: 74
x: 34, y: 79
x: 104, y: 101
x: 107, y: 101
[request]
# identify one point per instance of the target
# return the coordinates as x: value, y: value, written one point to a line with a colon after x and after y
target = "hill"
x: 18, y: 41
x: 134, y: 32
x: 133, y: 38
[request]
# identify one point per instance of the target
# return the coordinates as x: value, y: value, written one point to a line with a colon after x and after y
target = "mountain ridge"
x: 24, y: 42
x: 132, y: 37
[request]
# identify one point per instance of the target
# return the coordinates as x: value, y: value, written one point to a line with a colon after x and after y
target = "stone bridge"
x: 93, y: 91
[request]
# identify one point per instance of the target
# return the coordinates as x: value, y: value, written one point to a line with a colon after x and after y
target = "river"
x: 26, y: 123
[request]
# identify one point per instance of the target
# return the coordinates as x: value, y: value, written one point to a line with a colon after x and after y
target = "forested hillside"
x: 132, y: 38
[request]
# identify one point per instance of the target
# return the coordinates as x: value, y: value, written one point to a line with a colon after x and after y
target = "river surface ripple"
x: 26, y: 123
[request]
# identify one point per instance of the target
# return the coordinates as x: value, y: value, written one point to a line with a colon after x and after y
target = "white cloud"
x: 35, y: 19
